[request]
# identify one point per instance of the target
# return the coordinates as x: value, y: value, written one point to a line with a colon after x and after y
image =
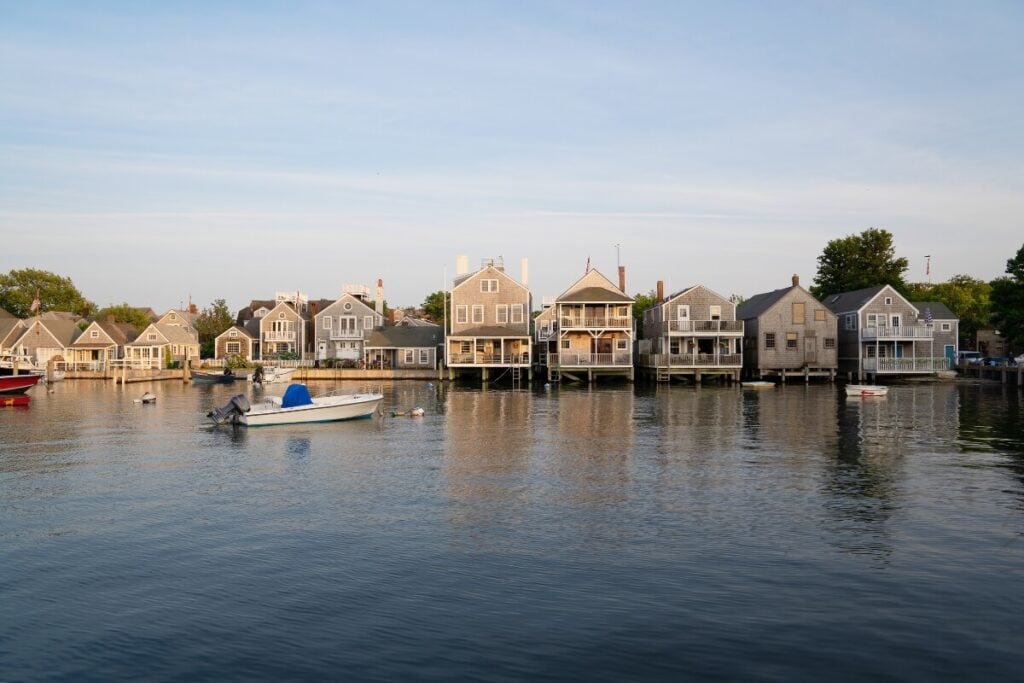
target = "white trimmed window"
x: 622, y: 344
x: 233, y: 347
x: 565, y: 344
x: 410, y: 356
x: 478, y: 313
x: 851, y: 321
x: 501, y: 314
x: 517, y: 313
x: 424, y: 356
x: 328, y: 323
x: 947, y: 327
x: 489, y: 286
x: 233, y: 334
x: 151, y: 336
x: 462, y: 313
x: 769, y: 340
x: 683, y: 312
x: 94, y: 334
x: 716, y: 312
x: 830, y: 342
x: 367, y: 322
x: 791, y: 339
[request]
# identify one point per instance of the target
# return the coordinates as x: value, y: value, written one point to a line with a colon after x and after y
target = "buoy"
x: 416, y: 412
x: 397, y: 413
x: 547, y: 385
x: 430, y: 385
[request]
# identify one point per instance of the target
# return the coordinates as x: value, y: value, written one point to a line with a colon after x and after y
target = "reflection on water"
x: 605, y: 533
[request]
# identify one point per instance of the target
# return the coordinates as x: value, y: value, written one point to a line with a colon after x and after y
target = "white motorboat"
x: 757, y: 384
x: 272, y: 375
x: 866, y: 390
x: 297, y: 407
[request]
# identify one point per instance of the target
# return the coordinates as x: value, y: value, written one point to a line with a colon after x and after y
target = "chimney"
x: 622, y: 279
x: 312, y: 308
x: 461, y: 265
x: 661, y: 291
x: 796, y: 280
x: 380, y: 296
x: 524, y: 270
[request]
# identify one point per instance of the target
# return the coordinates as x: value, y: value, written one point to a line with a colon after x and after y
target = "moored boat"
x: 8, y: 400
x: 11, y: 385
x: 297, y: 407
x: 225, y: 377
x: 866, y: 390
x: 271, y: 375
x: 757, y: 385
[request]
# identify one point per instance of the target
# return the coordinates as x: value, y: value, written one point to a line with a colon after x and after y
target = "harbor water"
x: 612, y: 533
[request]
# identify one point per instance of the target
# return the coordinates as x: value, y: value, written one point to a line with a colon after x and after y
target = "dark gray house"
x: 412, y: 347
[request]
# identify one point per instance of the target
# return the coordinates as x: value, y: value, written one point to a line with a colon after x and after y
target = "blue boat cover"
x: 296, y: 395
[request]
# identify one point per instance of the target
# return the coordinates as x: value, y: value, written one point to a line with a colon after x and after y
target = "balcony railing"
x: 703, y: 326
x: 613, y: 322
x: 692, y: 360
x: 274, y: 336
x: 904, y: 365
x: 346, y: 334
x: 570, y: 360
x: 489, y: 359
x: 902, y: 332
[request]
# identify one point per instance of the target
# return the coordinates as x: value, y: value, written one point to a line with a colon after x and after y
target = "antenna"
x: 928, y: 267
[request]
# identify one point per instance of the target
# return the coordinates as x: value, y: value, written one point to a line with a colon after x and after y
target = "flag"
x: 928, y: 317
x: 588, y: 265
x: 35, y: 305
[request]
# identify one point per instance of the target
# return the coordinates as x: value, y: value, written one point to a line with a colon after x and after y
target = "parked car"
x: 969, y: 357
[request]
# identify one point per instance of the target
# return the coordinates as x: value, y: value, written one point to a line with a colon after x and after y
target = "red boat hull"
x: 17, y: 384
x: 9, y: 400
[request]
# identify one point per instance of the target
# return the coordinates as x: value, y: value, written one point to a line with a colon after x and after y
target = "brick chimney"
x: 796, y: 280
x: 622, y: 279
x: 661, y: 291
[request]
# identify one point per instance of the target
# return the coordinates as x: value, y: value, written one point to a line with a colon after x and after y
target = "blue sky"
x: 153, y: 151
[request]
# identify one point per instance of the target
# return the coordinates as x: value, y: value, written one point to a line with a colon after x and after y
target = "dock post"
x: 49, y: 370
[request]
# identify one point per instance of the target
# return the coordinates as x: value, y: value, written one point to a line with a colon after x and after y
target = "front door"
x: 950, y: 354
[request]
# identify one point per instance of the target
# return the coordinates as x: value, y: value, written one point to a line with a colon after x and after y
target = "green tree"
x: 967, y: 297
x: 19, y: 288
x: 433, y: 306
x: 1008, y: 302
x: 125, y: 313
x: 210, y: 323
x: 859, y: 261
x: 642, y: 302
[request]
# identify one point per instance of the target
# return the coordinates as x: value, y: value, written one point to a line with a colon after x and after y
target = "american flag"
x: 35, y: 305
x: 927, y: 316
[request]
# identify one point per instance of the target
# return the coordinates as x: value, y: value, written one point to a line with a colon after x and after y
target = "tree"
x: 125, y: 313
x: 859, y: 261
x: 967, y: 297
x: 1008, y: 301
x: 433, y: 306
x: 210, y: 323
x: 641, y: 302
x: 19, y: 288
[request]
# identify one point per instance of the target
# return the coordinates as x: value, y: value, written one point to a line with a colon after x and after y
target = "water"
x: 598, y: 534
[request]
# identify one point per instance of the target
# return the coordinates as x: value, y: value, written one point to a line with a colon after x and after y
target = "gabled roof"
x: 687, y: 290
x: 759, y: 303
x: 939, y: 310
x: 172, y: 334
x: 405, y: 337
x: 491, y: 272
x: 593, y: 287
x: 5, y: 314
x: 63, y: 331
x: 8, y: 325
x: 60, y: 315
x: 411, y: 321
x: 113, y: 333
x: 340, y: 301
x: 240, y: 330
x: 855, y: 300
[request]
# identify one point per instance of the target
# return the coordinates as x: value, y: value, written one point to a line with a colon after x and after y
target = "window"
x: 791, y: 338
x: 94, y: 334
x: 947, y: 327
x: 621, y: 311
x: 830, y: 343
x: 545, y: 327
x: 501, y: 314
x: 851, y: 321
x: 798, y: 313
x: 769, y: 340
x: 465, y: 347
x: 489, y: 286
x: 409, y: 357
x: 683, y: 312
x: 478, y: 313
x: 888, y: 301
x: 565, y: 344
x: 819, y: 315
x: 424, y: 356
x: 622, y: 345
x: 716, y: 312
x: 233, y: 334
x: 233, y: 347
x: 328, y: 322
x: 281, y: 315
x: 517, y: 313
x: 151, y: 336
x: 462, y: 314
x: 347, y: 305
x: 367, y: 322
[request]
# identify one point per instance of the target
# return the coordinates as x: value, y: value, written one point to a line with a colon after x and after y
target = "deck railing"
x: 277, y: 336
x: 901, y: 332
x: 901, y: 365
x: 692, y: 360
x: 489, y: 359
x: 569, y: 360
x: 614, y: 322
x: 345, y: 334
x: 703, y: 326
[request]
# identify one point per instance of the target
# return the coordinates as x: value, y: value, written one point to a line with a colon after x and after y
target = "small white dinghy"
x: 297, y: 407
x: 757, y: 385
x: 271, y: 375
x: 856, y: 390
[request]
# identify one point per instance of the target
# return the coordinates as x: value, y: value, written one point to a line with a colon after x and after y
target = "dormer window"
x: 888, y: 301
x: 94, y: 334
x: 489, y: 286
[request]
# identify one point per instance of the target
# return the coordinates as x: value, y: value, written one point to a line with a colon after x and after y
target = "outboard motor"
x: 238, y: 405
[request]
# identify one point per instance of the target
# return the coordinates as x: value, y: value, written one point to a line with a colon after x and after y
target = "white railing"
x: 902, y: 332
x: 613, y: 322
x: 897, y: 365
x: 276, y: 336
x: 568, y: 360
x: 346, y: 334
x: 489, y: 359
x: 703, y: 326
x: 692, y: 360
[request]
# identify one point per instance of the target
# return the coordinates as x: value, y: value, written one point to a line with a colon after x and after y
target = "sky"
x: 161, y: 152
